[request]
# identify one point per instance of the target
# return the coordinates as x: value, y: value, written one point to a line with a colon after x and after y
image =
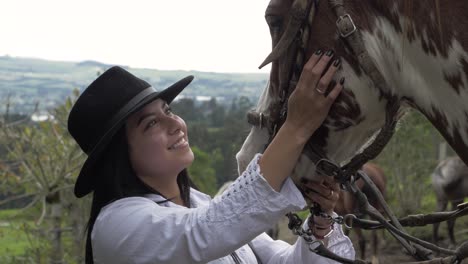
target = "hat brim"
x: 85, y: 182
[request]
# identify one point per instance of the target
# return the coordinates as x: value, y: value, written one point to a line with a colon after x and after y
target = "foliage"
x: 408, y: 161
x: 202, y: 172
x: 47, y: 160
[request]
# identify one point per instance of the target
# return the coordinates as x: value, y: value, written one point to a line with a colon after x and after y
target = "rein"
x: 293, y: 44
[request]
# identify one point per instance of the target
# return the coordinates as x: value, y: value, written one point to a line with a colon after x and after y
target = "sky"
x: 201, y: 35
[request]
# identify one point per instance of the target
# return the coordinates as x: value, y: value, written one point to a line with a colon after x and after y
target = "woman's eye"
x: 151, y: 123
x: 168, y: 111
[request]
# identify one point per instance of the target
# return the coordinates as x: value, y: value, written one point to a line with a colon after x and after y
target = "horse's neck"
x: 424, y: 61
x: 422, y: 52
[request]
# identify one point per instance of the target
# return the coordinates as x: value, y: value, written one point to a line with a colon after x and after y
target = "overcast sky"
x: 203, y: 35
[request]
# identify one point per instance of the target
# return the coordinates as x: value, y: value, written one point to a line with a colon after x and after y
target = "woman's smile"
x: 180, y: 143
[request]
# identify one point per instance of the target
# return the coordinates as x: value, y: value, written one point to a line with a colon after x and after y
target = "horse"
x: 395, y: 55
x: 450, y: 183
x: 347, y: 205
x: 420, y: 48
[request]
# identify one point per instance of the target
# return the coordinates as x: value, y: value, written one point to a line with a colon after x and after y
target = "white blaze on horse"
x: 419, y: 48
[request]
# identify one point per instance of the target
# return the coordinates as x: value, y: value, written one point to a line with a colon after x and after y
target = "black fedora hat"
x: 102, y: 109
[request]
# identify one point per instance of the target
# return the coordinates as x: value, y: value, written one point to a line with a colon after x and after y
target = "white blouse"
x: 139, y: 230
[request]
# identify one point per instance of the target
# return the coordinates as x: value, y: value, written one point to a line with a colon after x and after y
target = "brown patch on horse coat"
x: 345, y: 112
x: 421, y: 20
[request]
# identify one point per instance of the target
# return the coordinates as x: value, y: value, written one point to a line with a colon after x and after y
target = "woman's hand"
x: 310, y: 102
x: 308, y: 106
x: 325, y: 193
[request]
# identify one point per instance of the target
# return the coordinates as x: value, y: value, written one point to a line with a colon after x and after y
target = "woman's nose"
x: 174, y: 124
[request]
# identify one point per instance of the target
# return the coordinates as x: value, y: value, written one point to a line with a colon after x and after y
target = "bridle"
x: 294, y: 43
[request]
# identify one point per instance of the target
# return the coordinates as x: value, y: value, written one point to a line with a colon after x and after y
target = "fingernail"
x: 304, y: 180
x: 318, y: 52
x: 337, y: 63
x: 329, y: 53
x: 342, y: 80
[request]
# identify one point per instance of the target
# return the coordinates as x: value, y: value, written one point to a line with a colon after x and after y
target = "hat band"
x: 123, y: 112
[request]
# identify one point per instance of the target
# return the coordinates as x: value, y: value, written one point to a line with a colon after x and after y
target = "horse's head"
x: 358, y: 113
x: 411, y: 65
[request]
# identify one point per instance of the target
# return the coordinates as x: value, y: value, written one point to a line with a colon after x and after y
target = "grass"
x: 14, y: 239
x: 21, y: 242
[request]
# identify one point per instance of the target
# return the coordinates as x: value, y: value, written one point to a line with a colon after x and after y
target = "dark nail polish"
x: 304, y: 180
x: 318, y: 52
x: 342, y: 80
x: 329, y: 53
x: 337, y: 63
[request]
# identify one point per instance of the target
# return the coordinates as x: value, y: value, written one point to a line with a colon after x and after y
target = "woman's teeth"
x: 180, y: 142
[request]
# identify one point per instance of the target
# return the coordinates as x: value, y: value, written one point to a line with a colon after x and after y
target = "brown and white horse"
x: 347, y: 204
x: 421, y: 50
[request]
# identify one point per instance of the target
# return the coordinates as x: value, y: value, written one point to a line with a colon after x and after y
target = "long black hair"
x: 116, y: 179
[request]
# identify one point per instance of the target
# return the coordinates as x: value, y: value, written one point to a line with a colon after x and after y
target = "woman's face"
x: 158, y: 142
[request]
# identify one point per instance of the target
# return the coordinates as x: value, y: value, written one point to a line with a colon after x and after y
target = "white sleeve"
x: 271, y: 251
x: 137, y: 230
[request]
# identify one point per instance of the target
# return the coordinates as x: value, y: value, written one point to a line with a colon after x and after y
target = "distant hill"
x: 28, y: 81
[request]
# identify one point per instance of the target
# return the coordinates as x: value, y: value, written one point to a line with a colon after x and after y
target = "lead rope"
x: 315, y: 245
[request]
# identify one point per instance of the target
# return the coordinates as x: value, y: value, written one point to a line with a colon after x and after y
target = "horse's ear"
x: 278, y: 8
x: 274, y: 16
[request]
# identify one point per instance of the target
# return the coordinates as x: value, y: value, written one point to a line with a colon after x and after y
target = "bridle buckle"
x: 343, y: 24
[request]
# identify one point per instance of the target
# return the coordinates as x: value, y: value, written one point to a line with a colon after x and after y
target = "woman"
x: 144, y: 210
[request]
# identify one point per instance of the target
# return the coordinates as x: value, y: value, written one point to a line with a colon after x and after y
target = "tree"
x: 48, y: 160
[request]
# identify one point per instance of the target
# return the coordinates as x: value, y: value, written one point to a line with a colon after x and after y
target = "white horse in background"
x: 450, y: 183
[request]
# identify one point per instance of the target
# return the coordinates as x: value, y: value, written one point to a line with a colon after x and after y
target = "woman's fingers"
x: 326, y: 204
x: 321, y: 77
x: 314, y: 59
x: 331, y: 183
x: 324, y: 188
x: 314, y: 68
x: 336, y: 90
x: 310, y: 102
x: 326, y: 194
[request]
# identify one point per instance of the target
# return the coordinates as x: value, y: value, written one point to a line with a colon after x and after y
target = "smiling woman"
x: 145, y: 209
